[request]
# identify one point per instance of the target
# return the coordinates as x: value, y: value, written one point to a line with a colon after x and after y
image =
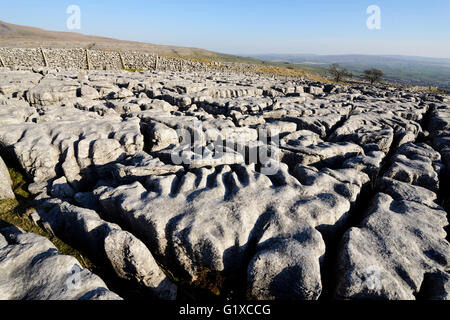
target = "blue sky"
x: 411, y: 27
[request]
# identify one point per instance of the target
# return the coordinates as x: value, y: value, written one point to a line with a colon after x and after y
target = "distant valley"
x: 406, y: 69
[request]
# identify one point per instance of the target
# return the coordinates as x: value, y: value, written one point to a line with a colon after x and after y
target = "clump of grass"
x: 209, y: 284
x: 281, y: 71
x: 132, y: 70
x: 315, y: 77
x: 7, y: 205
x: 19, y: 183
x: 211, y: 281
x: 436, y: 91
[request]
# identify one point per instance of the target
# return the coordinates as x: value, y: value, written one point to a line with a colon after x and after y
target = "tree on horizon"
x: 373, y: 75
x: 339, y: 73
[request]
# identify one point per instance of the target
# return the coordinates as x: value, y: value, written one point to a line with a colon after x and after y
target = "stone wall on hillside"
x: 100, y: 60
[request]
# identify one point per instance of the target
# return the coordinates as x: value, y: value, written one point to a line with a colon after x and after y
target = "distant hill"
x: 406, y: 69
x: 12, y: 35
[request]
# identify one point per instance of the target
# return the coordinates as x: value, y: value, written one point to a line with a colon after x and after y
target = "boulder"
x: 6, y: 183
x: 88, y: 92
x: 159, y: 136
x: 49, y: 92
x: 300, y: 139
x: 331, y: 154
x: 398, y: 250
x: 173, y: 218
x: 61, y: 189
x: 50, y: 149
x: 33, y: 269
x: 370, y: 163
x: 107, y: 243
x: 416, y: 164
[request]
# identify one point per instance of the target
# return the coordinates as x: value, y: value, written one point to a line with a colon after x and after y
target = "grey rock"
x: 42, y: 148
x: 61, y: 189
x: 276, y: 128
x: 211, y: 156
x: 159, y: 136
x: 287, y: 263
x: 300, y: 138
x: 413, y: 163
x: 107, y: 242
x: 88, y: 92
x: 66, y: 113
x: 131, y: 259
x: 394, y: 251
x: 140, y: 165
x: 86, y: 200
x: 38, y: 187
x: 105, y: 151
x: 250, y: 121
x: 15, y: 83
x: 369, y: 139
x: 324, y: 153
x: 33, y: 269
x: 241, y: 198
x: 404, y: 191
x: 369, y: 163
x: 6, y: 191
x: 314, y: 90
x: 155, y: 104
x: 12, y: 112
x: 320, y: 124
x: 51, y: 92
x: 3, y: 241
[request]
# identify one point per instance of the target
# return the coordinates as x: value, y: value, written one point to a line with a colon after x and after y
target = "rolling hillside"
x: 23, y: 36
x: 406, y: 69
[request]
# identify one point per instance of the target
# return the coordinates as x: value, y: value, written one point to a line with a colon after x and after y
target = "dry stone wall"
x: 98, y: 59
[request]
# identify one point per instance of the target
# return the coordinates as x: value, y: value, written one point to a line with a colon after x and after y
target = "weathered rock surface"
x: 399, y: 249
x: 50, y: 149
x: 138, y: 166
x: 174, y: 219
x: 15, y: 111
x: 287, y: 263
x: 107, y: 243
x: 370, y: 163
x: 323, y: 154
x: 159, y: 136
x: 403, y: 191
x: 300, y: 138
x: 439, y: 128
x: 51, y: 91
x: 247, y: 179
x: 416, y: 164
x: 16, y: 83
x: 33, y: 269
x: 376, y: 126
x: 6, y: 191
